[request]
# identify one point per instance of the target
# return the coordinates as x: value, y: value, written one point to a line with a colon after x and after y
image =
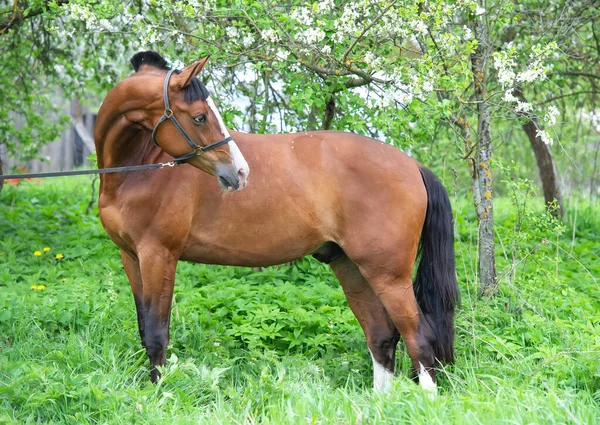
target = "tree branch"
x: 367, y: 28
x: 17, y: 15
x: 580, y: 74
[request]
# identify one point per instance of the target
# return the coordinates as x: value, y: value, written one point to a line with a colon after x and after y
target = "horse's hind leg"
x: 380, y: 332
x: 393, y: 286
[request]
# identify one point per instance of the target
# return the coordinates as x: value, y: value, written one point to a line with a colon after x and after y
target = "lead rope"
x: 83, y: 172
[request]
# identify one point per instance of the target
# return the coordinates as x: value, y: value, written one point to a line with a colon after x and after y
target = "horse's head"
x: 189, y: 127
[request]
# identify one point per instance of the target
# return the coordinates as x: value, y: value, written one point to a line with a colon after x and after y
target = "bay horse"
x: 358, y: 204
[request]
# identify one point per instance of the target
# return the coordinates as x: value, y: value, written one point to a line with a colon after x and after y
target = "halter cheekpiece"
x: 169, y: 115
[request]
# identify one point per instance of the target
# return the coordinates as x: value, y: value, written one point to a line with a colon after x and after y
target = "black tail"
x: 435, y: 285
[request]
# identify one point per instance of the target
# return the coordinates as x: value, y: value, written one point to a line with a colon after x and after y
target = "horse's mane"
x: 148, y: 58
x: 195, y: 91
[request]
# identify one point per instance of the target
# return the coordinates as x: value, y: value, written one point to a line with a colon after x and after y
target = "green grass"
x: 280, y: 345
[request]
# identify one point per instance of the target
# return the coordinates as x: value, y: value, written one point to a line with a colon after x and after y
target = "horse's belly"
x: 252, y: 247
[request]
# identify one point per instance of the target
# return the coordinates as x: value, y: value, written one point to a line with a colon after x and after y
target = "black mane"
x: 148, y: 58
x: 192, y: 93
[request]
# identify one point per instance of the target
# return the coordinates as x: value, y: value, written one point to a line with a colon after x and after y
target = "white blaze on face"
x: 382, y: 378
x: 238, y: 160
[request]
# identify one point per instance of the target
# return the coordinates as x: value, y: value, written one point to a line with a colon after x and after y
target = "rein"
x: 167, y: 115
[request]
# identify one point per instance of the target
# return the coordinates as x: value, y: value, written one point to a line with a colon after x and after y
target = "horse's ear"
x: 184, y: 79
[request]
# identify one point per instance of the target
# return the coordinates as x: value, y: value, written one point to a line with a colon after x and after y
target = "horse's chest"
x: 123, y: 224
x: 113, y: 222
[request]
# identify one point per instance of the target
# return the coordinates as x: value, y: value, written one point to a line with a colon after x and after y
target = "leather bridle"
x: 169, y: 115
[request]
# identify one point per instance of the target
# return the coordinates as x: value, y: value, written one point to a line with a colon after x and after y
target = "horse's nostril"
x: 242, y: 175
x: 228, y: 181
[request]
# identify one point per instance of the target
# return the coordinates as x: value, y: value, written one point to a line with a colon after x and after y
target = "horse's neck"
x: 125, y: 144
x: 119, y: 141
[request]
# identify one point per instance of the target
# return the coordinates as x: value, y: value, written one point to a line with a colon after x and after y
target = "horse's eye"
x: 200, y: 119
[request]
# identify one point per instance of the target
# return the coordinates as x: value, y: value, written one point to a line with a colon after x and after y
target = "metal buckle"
x: 168, y: 113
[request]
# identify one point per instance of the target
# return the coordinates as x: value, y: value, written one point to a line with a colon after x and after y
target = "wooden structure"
x: 66, y: 153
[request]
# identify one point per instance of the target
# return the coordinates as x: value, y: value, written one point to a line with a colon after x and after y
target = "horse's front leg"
x: 132, y: 270
x: 157, y: 266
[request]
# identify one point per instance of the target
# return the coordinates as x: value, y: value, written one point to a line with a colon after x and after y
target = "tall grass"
x: 280, y: 345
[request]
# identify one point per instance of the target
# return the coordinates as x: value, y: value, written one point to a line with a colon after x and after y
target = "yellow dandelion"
x: 40, y: 287
x: 46, y: 249
x: 59, y: 256
x: 33, y: 287
x: 37, y: 253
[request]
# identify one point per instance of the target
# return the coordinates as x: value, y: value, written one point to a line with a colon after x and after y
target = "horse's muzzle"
x: 231, y: 180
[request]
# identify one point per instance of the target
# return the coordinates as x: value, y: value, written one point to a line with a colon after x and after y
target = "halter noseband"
x: 169, y: 115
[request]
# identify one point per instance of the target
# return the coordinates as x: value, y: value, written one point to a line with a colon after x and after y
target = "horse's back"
x: 333, y: 155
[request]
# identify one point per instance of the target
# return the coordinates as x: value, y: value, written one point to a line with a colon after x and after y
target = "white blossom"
x: 269, y: 35
x: 523, y: 107
x: 544, y: 136
x: 535, y: 71
x: 371, y: 60
x: 397, y: 93
x: 303, y: 16
x: 420, y: 27
x: 504, y: 66
x: 325, y: 5
x: 282, y: 54
x: 346, y: 24
x: 509, y: 96
x: 594, y: 118
x: 403, y: 94
x: 427, y: 86
x: 551, y: 115
x: 479, y: 11
x: 448, y: 43
x: 468, y: 33
x: 310, y: 35
x: 175, y: 64
x: 232, y: 32
x: 247, y: 40
x: 152, y: 36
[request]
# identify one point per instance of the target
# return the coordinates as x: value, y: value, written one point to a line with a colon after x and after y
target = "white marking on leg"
x: 426, y: 382
x: 382, y: 378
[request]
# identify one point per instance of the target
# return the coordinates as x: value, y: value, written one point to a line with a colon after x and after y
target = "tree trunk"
x: 329, y: 113
x: 482, y: 170
x: 545, y: 163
